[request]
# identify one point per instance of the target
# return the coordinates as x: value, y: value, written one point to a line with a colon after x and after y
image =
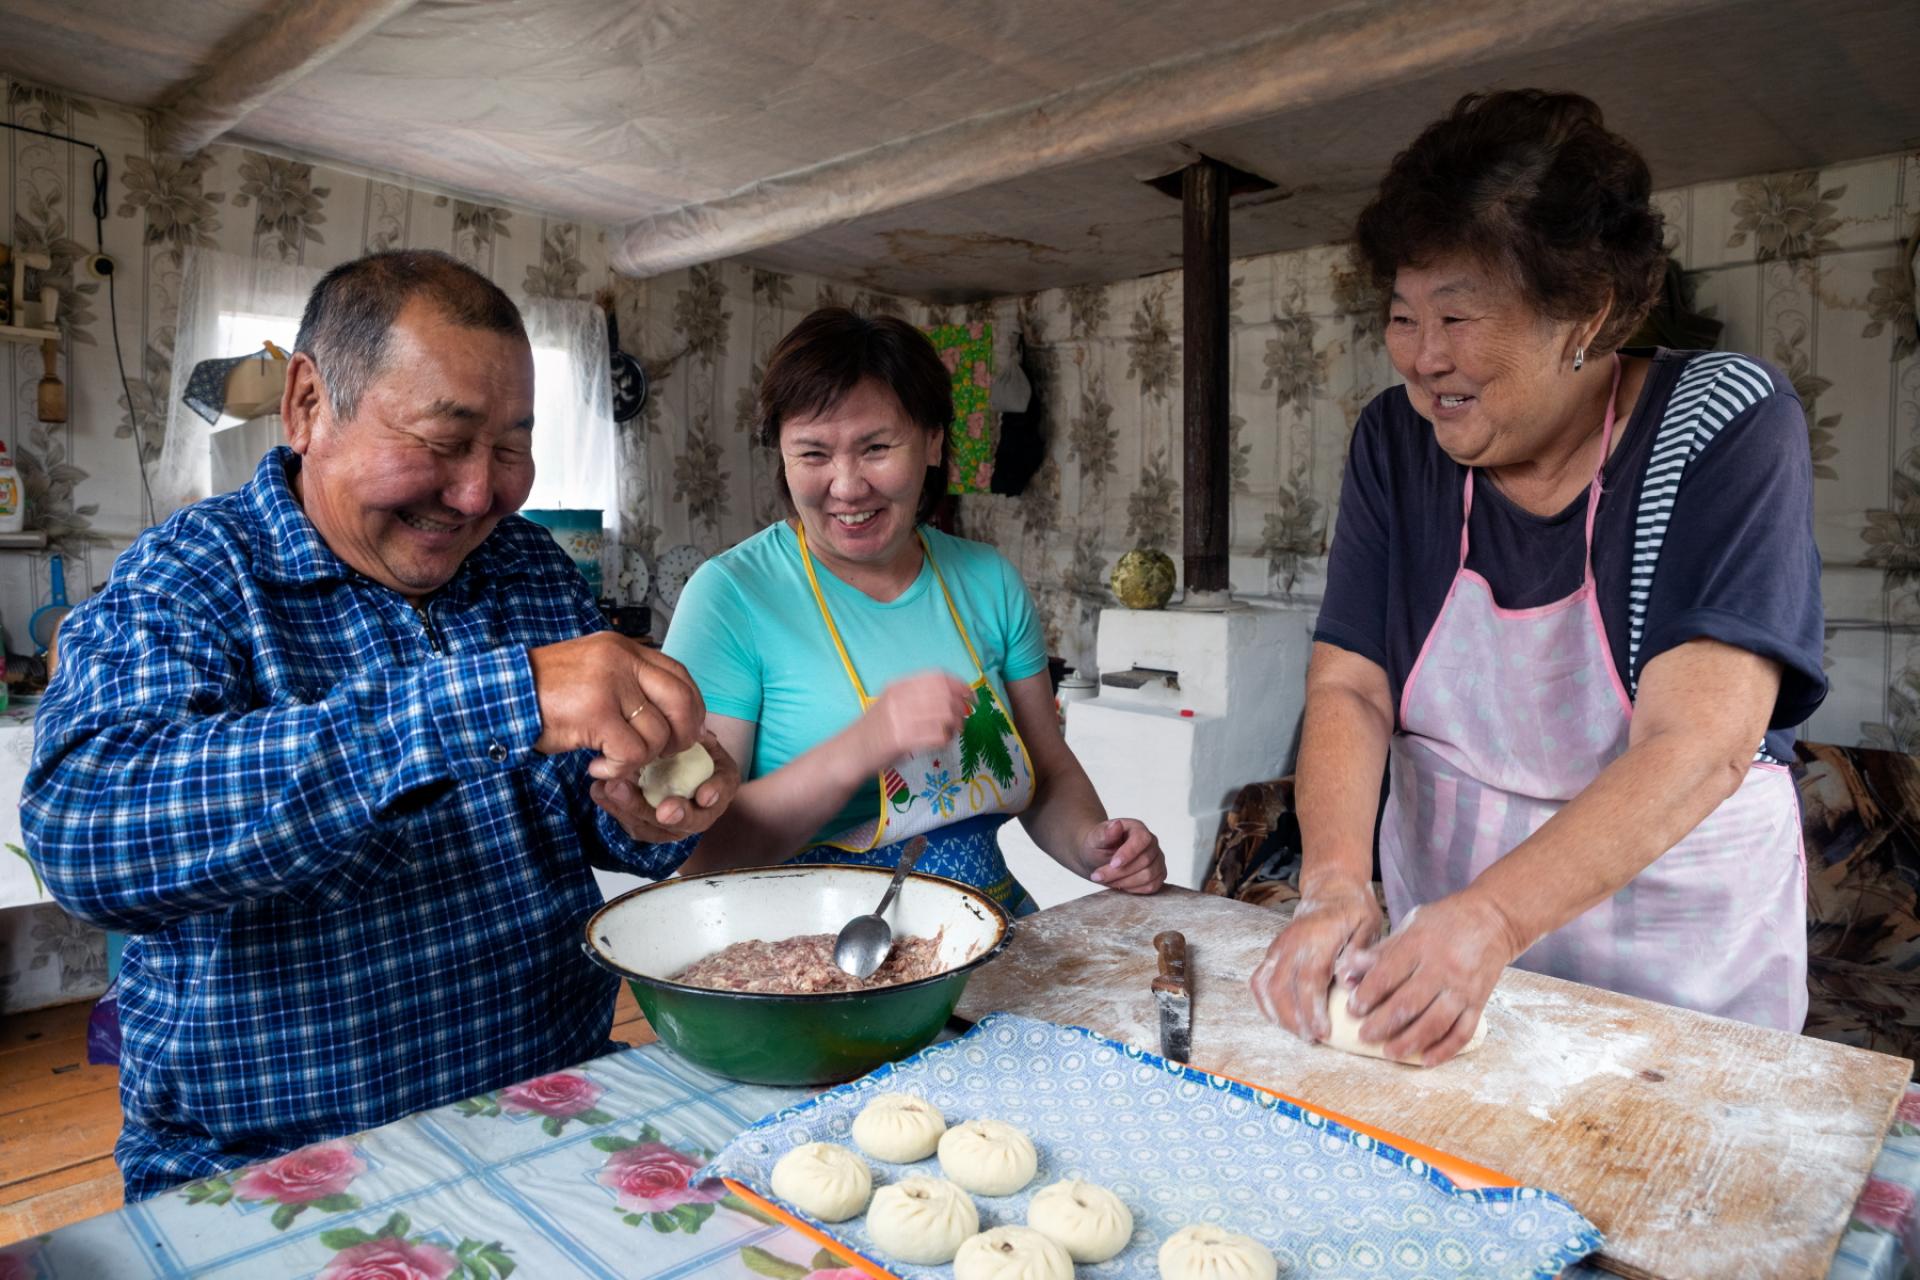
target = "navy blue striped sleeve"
x: 1739, y: 563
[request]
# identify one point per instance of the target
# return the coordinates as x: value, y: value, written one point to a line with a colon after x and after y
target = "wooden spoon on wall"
x: 53, y: 393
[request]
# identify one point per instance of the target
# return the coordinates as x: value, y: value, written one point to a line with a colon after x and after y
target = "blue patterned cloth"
x: 354, y: 890
x: 967, y: 851
x: 1179, y: 1146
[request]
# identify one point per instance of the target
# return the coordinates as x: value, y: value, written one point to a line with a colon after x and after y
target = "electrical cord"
x: 113, y: 302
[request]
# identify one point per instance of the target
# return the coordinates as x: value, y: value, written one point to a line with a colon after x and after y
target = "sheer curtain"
x: 573, y: 441
x: 227, y: 305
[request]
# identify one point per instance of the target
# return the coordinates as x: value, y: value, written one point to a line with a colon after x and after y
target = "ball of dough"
x: 823, y: 1180
x: 989, y: 1157
x: 898, y: 1128
x: 1088, y: 1221
x: 921, y: 1220
x: 676, y: 775
x: 1011, y: 1253
x: 1343, y: 1029
x: 1203, y: 1252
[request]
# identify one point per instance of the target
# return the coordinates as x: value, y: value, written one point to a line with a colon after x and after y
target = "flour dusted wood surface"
x: 1701, y: 1147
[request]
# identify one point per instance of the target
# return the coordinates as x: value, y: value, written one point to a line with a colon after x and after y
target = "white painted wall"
x: 1242, y: 678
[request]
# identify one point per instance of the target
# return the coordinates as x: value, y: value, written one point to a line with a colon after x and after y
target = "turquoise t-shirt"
x: 748, y: 630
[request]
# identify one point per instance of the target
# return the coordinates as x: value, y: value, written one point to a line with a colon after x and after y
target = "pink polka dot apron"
x: 1510, y: 713
x: 957, y: 795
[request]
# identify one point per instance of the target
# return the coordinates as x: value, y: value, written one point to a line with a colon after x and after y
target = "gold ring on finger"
x: 636, y: 711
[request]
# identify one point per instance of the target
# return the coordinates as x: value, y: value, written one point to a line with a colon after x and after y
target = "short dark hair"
x: 351, y: 311
x: 1534, y: 184
x: 824, y: 357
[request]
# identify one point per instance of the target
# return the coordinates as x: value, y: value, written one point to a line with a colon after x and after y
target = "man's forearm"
x: 773, y: 817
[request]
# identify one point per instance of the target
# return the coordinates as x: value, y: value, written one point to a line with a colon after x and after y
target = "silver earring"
x: 1579, y: 358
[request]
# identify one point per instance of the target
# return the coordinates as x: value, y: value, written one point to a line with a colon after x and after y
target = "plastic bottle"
x: 13, y: 501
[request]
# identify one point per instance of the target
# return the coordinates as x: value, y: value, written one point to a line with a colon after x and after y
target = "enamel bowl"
x: 660, y: 929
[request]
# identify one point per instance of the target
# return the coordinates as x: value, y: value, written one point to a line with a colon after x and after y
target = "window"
x: 244, y: 331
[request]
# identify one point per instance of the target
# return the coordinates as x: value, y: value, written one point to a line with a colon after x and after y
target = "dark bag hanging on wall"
x: 1023, y: 443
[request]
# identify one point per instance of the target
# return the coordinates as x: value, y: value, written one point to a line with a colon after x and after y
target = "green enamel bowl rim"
x: 998, y: 913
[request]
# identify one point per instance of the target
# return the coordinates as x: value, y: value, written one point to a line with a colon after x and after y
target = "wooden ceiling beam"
x: 283, y: 46
x: 1337, y: 53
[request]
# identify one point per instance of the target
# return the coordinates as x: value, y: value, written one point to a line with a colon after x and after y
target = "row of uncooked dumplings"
x: 929, y: 1220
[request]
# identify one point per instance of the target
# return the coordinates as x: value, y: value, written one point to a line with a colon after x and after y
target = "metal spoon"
x: 864, y: 941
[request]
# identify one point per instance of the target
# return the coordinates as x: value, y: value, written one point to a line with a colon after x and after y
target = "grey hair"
x: 350, y: 313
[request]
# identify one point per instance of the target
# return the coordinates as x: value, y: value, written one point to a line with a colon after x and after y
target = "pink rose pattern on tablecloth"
x: 390, y: 1260
x: 314, y: 1177
x: 556, y: 1098
x: 1884, y: 1206
x: 652, y: 1183
x: 301, y: 1177
x: 396, y: 1253
x: 654, y: 1178
x: 564, y: 1093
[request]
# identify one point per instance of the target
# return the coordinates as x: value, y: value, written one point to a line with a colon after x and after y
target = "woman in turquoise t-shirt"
x: 876, y: 678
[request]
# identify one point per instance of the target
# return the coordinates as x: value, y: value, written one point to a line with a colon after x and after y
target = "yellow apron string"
x: 846, y: 660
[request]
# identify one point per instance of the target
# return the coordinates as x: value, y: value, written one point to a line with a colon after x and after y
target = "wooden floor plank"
x: 50, y: 1071
x: 73, y: 1175
x: 629, y: 1024
x: 59, y: 1135
x: 57, y: 1208
x: 62, y: 1022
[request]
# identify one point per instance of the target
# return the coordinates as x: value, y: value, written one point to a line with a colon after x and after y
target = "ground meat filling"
x: 800, y: 966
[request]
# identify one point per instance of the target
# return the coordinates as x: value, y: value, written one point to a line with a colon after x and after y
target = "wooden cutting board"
x: 1701, y: 1147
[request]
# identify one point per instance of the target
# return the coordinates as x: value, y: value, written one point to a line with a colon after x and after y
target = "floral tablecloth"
x: 586, y: 1173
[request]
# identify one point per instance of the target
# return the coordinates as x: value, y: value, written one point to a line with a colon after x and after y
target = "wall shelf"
x: 14, y: 333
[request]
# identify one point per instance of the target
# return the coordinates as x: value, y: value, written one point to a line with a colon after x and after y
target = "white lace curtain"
x: 228, y: 300
x: 216, y: 286
x: 573, y: 444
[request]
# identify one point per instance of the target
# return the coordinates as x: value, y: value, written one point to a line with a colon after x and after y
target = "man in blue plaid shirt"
x: 338, y: 748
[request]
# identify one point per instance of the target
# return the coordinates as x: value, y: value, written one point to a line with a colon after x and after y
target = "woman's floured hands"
x: 1290, y: 985
x: 1423, y: 990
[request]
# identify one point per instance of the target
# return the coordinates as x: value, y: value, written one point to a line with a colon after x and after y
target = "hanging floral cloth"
x: 967, y: 351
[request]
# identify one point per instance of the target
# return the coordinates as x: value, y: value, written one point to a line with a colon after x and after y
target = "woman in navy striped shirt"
x: 1573, y: 611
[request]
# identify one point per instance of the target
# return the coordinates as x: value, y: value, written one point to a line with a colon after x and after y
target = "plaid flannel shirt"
x: 353, y: 889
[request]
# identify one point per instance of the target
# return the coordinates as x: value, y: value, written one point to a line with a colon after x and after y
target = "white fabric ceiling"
x: 720, y: 125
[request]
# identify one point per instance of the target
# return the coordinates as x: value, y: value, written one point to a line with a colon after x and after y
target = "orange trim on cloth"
x: 1464, y: 1173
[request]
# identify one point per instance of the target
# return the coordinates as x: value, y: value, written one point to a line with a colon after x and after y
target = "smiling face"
x: 855, y: 472
x: 1480, y: 363
x: 440, y: 448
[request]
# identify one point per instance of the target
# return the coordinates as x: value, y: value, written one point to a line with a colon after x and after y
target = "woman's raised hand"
x: 919, y: 713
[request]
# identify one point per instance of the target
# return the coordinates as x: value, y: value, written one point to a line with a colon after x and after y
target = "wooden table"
x: 1700, y: 1146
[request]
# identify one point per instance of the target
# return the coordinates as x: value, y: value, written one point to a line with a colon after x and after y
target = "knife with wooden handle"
x: 1174, y: 996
